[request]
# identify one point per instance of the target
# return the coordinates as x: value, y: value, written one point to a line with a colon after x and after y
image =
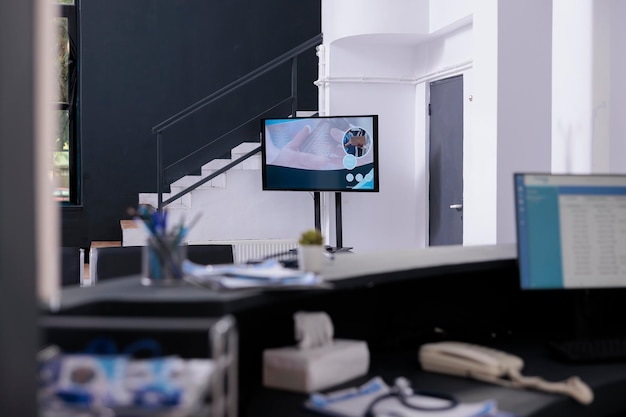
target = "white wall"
x: 387, y: 72
x: 263, y: 214
x: 601, y: 82
x: 588, y: 127
x: 345, y: 18
x: 387, y: 219
x: 532, y: 102
x: 537, y: 102
x: 445, y: 13
x: 616, y: 96
x: 480, y: 145
x: 572, y: 74
x: 524, y: 100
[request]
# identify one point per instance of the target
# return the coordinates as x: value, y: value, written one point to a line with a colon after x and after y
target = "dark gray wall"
x: 18, y: 210
x: 142, y: 61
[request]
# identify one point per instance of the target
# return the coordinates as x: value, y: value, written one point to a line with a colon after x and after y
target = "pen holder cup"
x: 163, y: 260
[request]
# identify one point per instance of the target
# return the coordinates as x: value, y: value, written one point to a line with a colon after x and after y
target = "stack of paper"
x: 267, y: 275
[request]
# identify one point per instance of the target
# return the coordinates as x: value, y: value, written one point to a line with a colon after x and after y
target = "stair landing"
x: 132, y: 233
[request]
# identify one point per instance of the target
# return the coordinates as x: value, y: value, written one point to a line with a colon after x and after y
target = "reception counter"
x: 395, y: 301
x: 345, y: 271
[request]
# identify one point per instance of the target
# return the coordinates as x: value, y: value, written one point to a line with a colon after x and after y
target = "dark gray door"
x: 446, y: 162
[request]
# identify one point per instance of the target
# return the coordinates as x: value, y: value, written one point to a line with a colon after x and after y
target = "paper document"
x: 269, y: 274
x: 354, y: 402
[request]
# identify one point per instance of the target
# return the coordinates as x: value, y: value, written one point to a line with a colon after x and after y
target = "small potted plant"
x: 311, y: 251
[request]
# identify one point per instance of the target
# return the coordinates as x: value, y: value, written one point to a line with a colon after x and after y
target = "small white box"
x: 308, y: 370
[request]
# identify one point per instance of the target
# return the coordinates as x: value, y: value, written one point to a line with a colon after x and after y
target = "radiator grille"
x: 256, y: 249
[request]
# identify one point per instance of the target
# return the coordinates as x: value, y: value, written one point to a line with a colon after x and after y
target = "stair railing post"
x: 294, y: 85
x: 159, y: 171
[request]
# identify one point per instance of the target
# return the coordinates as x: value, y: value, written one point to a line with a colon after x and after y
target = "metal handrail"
x: 211, y: 176
x: 316, y: 40
x: 231, y: 131
x: 217, y: 172
x: 291, y: 55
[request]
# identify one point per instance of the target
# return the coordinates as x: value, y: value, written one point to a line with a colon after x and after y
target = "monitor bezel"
x: 375, y: 154
x: 573, y: 290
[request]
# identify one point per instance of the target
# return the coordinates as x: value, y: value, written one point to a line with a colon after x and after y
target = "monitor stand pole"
x: 338, y: 221
x: 338, y: 227
x: 318, y: 210
x: 338, y: 224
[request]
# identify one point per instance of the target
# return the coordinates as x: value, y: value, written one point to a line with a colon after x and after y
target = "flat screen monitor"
x: 571, y: 231
x: 332, y: 153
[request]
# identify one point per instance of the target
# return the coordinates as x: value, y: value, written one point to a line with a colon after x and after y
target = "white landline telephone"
x: 495, y: 366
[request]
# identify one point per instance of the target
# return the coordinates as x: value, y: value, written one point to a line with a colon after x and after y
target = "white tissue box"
x: 308, y: 370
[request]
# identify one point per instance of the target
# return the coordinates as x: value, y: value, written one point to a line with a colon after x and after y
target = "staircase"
x: 232, y: 207
x: 226, y: 201
x: 252, y: 163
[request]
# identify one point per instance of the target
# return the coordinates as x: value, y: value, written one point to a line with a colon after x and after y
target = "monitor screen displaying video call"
x: 571, y: 231
x: 330, y: 153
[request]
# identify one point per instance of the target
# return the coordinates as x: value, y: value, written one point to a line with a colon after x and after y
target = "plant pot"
x: 311, y: 258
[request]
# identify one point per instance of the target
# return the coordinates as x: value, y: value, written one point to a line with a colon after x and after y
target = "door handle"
x: 457, y: 207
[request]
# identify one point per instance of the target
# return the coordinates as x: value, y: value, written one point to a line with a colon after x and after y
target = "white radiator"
x: 245, y: 250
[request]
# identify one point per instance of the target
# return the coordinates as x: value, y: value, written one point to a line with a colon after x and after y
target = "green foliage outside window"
x: 61, y: 150
x: 62, y: 67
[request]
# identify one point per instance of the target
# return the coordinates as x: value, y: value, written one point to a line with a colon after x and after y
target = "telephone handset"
x: 495, y: 366
x: 464, y: 359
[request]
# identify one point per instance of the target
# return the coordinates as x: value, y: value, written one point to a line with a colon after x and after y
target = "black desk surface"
x: 608, y: 381
x: 395, y: 301
x: 346, y: 271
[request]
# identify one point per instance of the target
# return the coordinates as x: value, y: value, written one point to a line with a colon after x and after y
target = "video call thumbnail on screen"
x: 333, y: 153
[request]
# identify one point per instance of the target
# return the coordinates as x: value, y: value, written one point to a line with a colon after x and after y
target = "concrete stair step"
x: 244, y: 176
x: 133, y: 234
x: 245, y: 147
x: 252, y: 163
x: 152, y: 198
x: 184, y: 182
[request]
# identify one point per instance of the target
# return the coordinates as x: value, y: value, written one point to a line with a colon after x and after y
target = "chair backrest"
x: 122, y: 261
x: 210, y: 254
x: 72, y: 266
x: 115, y: 262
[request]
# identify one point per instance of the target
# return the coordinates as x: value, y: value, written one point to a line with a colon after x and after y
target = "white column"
x: 617, y: 89
x: 572, y: 86
x: 601, y: 84
x: 480, y: 145
x: 524, y: 97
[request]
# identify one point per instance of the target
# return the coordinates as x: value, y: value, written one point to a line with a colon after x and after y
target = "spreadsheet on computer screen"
x: 571, y: 230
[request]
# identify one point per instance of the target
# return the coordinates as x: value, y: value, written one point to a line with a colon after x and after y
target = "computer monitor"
x: 571, y: 231
x: 330, y: 153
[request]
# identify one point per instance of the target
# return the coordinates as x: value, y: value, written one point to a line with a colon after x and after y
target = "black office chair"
x: 210, y: 254
x: 72, y: 266
x: 115, y: 262
x: 122, y: 261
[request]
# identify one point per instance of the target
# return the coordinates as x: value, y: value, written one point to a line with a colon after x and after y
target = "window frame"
x: 70, y: 12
